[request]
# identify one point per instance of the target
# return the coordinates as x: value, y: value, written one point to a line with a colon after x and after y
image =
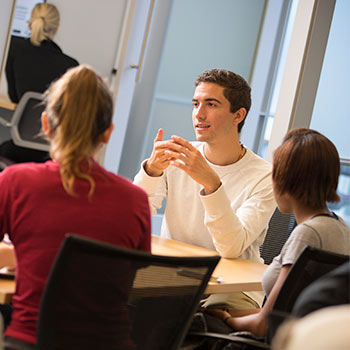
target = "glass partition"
x: 331, y: 110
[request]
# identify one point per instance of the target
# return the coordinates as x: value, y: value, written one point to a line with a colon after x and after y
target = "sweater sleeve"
x: 155, y: 187
x: 303, y: 235
x: 234, y: 231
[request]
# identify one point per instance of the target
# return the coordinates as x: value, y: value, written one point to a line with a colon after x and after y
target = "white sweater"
x: 232, y: 220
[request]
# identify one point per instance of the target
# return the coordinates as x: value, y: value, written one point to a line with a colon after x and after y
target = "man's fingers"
x: 181, y: 141
x: 159, y: 136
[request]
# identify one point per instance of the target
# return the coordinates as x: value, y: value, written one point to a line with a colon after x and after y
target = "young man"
x: 218, y: 193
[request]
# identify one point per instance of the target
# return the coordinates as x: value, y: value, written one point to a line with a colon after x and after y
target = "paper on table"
x: 5, y: 272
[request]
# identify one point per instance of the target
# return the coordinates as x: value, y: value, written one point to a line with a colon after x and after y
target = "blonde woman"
x: 41, y: 202
x: 32, y: 64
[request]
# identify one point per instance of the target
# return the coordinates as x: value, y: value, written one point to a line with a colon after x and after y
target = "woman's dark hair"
x: 307, y: 167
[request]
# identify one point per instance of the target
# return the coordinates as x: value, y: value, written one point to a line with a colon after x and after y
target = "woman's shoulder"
x: 53, y: 46
x: 17, y: 44
x: 325, y: 223
x: 322, y: 232
x: 25, y: 173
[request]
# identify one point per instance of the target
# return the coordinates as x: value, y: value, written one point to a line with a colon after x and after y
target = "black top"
x: 33, y: 68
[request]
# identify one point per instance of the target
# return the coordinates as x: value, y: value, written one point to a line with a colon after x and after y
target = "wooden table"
x: 7, y: 289
x: 7, y: 109
x: 237, y: 274
x: 6, y: 103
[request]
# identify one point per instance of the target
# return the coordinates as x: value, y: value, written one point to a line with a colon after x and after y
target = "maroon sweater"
x: 37, y: 212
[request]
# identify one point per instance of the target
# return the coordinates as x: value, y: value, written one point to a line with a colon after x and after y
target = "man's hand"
x: 187, y: 158
x: 159, y: 159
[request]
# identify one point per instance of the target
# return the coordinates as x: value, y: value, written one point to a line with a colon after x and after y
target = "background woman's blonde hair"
x: 44, y: 22
x: 79, y: 108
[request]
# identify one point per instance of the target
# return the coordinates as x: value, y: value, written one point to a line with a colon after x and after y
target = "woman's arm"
x: 253, y: 322
x: 257, y: 323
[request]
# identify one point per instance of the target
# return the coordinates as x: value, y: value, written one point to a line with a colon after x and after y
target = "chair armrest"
x: 4, y: 122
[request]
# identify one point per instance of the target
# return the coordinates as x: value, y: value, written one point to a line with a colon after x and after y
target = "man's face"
x: 212, y: 120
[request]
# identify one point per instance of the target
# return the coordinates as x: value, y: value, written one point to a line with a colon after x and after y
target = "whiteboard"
x: 20, y: 26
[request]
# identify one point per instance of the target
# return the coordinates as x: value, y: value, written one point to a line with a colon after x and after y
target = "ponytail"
x: 44, y: 23
x: 79, y: 109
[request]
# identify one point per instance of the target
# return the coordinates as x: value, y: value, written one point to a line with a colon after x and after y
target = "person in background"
x: 218, y: 193
x: 32, y: 64
x: 324, y: 329
x: 305, y: 177
x: 41, y: 202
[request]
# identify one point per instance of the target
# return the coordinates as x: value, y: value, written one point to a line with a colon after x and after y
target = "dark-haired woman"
x: 305, y: 177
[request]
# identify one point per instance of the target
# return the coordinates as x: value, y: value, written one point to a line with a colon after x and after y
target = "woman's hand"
x: 251, y: 320
x: 218, y: 313
x: 254, y: 323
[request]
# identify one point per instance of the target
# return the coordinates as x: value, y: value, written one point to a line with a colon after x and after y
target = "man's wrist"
x: 151, y: 172
x: 211, y: 189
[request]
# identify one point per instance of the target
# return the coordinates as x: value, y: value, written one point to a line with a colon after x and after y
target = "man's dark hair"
x: 236, y: 89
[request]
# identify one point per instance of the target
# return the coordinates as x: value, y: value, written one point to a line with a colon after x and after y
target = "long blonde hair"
x: 79, y: 109
x: 44, y: 23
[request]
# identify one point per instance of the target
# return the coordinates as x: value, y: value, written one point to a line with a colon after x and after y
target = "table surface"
x: 6, y: 103
x: 237, y: 274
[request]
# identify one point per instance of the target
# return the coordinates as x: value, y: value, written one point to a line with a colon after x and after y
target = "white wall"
x: 90, y: 31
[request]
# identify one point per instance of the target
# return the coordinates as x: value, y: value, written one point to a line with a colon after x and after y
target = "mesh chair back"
x: 280, y: 227
x: 26, y: 122
x: 100, y: 296
x: 311, y: 264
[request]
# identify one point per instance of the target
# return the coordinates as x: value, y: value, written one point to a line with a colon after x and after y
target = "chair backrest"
x: 100, y: 296
x: 26, y: 122
x: 280, y: 227
x: 311, y: 264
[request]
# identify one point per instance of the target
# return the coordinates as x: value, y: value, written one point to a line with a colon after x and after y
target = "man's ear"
x: 239, y: 115
x: 107, y: 134
x: 45, y: 124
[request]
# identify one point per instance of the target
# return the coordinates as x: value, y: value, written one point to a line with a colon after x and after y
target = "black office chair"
x: 25, y: 130
x: 26, y: 122
x: 100, y: 296
x: 311, y: 265
x: 280, y: 227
